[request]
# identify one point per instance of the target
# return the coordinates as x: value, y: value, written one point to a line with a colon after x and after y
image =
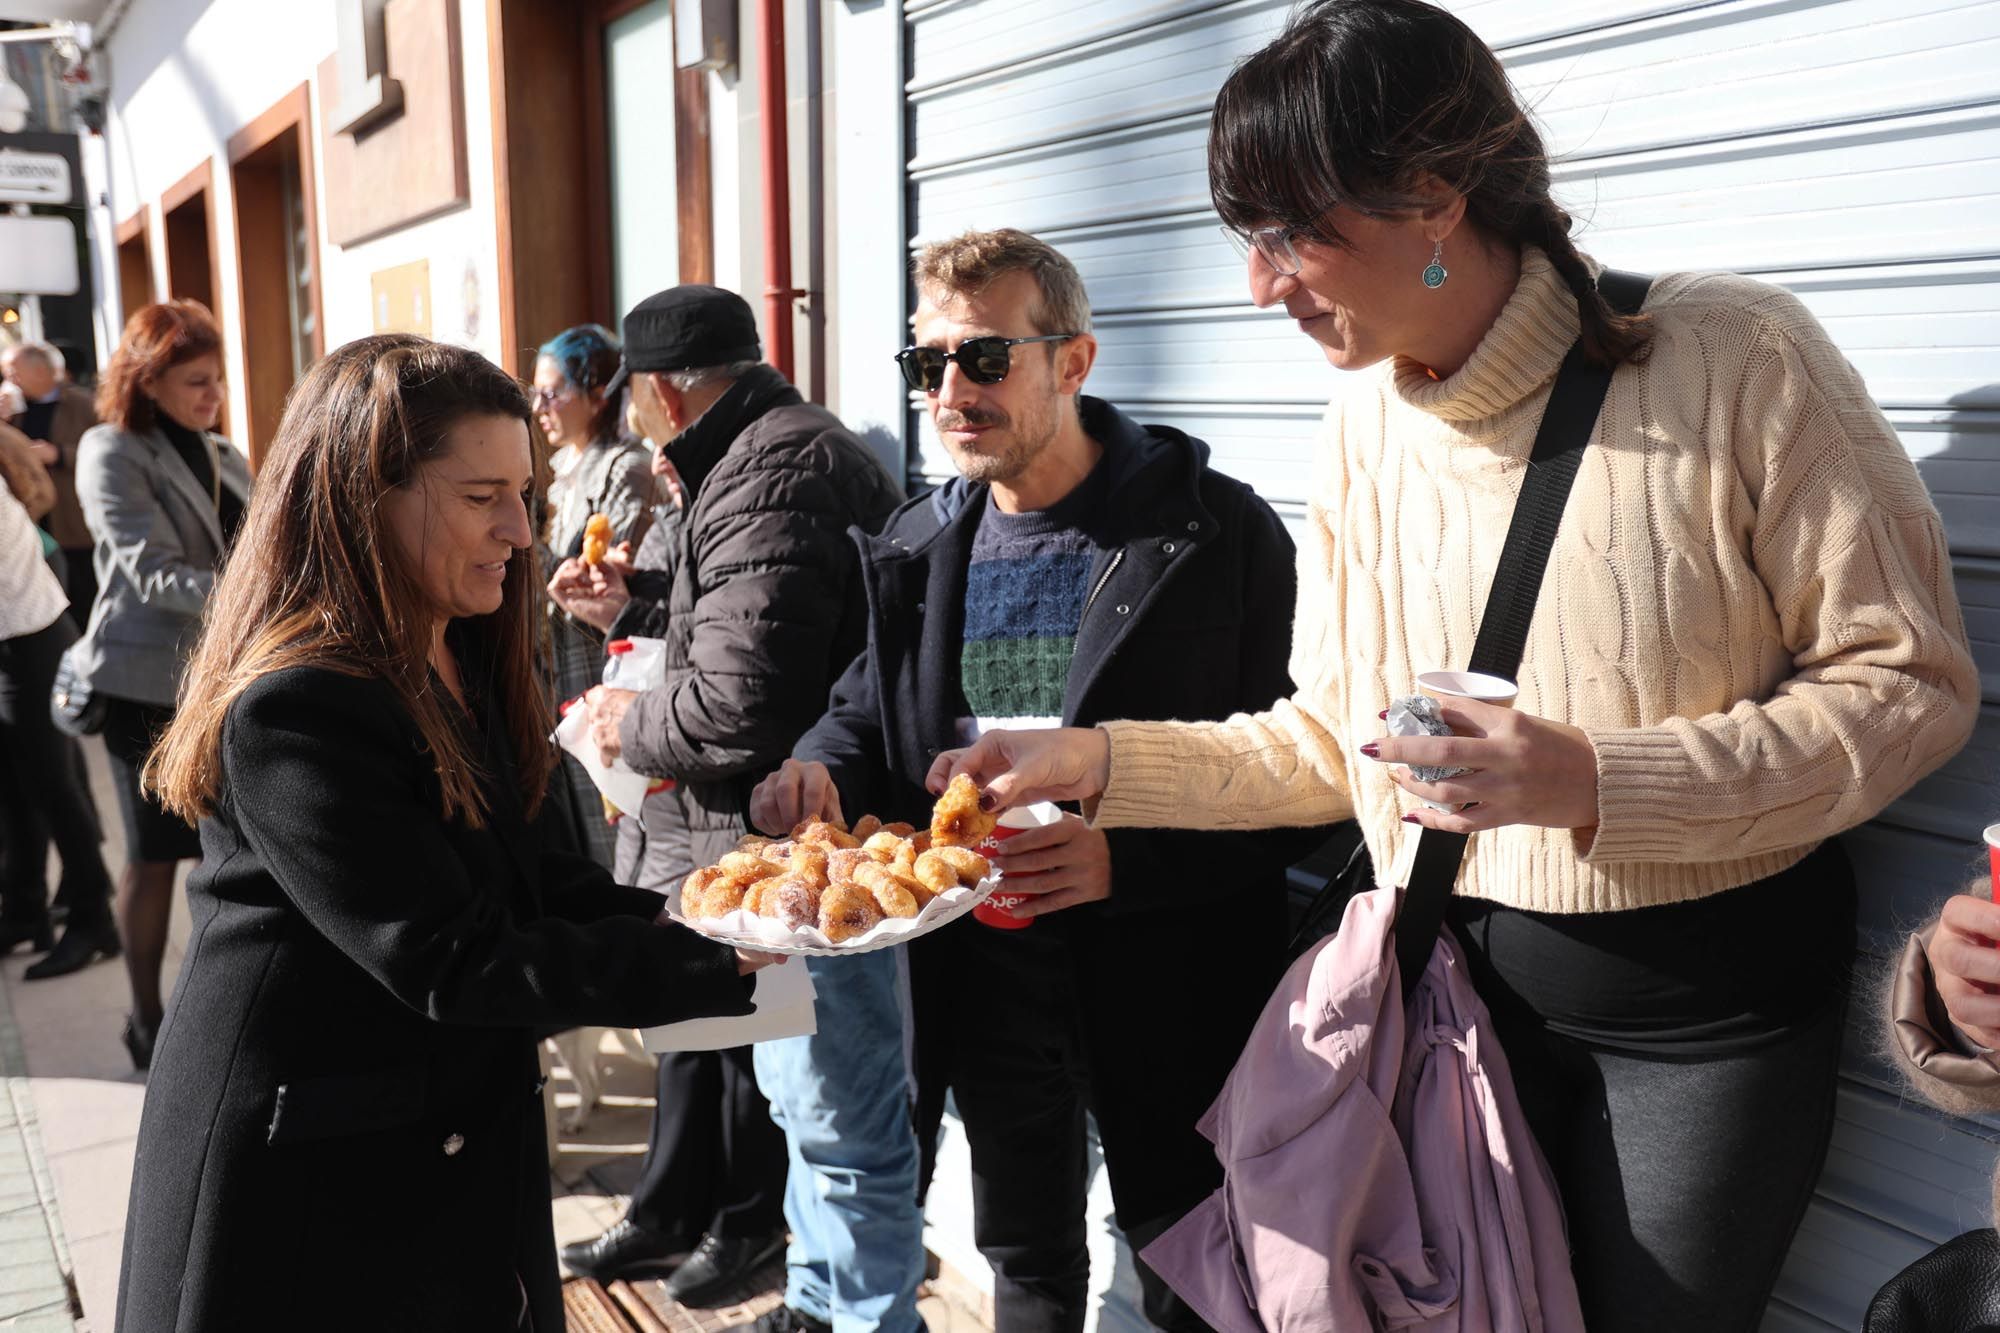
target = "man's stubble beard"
x: 1031, y: 436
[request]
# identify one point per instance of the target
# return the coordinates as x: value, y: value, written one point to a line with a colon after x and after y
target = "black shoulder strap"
x: 1565, y: 431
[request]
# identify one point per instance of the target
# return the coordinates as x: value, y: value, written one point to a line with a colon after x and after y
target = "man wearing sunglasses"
x: 1081, y: 567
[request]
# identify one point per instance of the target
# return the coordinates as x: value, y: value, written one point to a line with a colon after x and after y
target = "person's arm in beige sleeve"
x: 1883, y: 688
x: 1943, y: 1021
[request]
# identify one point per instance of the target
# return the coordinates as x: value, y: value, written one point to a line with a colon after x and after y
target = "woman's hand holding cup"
x: 1524, y: 770
x: 1013, y: 768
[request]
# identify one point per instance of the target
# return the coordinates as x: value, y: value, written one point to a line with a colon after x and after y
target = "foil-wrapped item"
x: 1419, y: 715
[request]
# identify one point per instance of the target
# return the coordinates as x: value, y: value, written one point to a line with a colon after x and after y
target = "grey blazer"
x: 158, y: 542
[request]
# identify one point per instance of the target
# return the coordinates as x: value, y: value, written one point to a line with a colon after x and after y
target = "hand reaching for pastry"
x: 799, y: 790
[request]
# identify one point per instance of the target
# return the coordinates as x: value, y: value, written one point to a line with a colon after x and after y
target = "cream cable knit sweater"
x: 1749, y: 607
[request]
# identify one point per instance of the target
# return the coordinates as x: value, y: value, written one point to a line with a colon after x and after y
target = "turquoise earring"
x: 1434, y: 274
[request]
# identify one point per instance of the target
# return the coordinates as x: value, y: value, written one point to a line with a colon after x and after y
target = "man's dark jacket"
x: 1189, y: 616
x: 763, y: 608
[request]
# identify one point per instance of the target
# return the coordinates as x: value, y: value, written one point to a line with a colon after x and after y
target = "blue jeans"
x: 842, y: 1098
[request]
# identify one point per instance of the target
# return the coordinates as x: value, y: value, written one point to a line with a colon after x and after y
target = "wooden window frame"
x: 199, y: 181
x: 135, y: 228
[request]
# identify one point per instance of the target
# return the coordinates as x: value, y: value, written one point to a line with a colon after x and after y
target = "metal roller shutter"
x: 1847, y: 149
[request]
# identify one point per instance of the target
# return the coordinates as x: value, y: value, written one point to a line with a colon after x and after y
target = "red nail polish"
x: 1382, y: 716
x: 988, y: 801
x: 1372, y: 750
x: 1411, y: 819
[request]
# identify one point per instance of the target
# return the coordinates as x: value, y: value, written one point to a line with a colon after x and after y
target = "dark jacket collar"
x: 696, y: 450
x: 1152, y: 482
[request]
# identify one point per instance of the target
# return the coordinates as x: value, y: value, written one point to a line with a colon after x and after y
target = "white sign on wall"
x: 38, y: 257
x: 33, y: 178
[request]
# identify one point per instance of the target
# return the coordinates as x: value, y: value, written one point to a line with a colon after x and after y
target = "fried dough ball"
x: 968, y: 865
x: 694, y: 886
x: 596, y: 539
x: 956, y: 819
x: 829, y: 836
x: 793, y: 902
x: 840, y: 864
x: 865, y: 827
x: 753, y: 843
x: 900, y: 829
x: 882, y: 846
x: 758, y: 898
x: 747, y: 866
x: 893, y: 893
x: 935, y: 873
x: 847, y: 910
x: 920, y: 841
x: 724, y: 896
x: 809, y: 862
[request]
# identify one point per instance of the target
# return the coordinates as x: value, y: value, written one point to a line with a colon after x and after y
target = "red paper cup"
x: 1992, y: 836
x: 997, y: 907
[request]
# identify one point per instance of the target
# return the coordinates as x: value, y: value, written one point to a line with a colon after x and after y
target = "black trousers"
x: 1678, y: 1066
x: 46, y: 794
x: 1135, y: 1020
x: 716, y: 1161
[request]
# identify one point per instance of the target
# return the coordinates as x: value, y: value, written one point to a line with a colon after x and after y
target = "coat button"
x: 920, y: 608
x: 454, y: 1144
x: 1195, y: 526
x: 1124, y: 610
x: 1168, y: 547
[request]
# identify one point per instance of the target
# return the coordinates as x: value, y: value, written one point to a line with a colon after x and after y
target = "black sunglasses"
x: 984, y: 360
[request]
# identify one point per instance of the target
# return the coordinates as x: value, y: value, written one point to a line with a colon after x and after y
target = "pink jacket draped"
x: 1378, y: 1173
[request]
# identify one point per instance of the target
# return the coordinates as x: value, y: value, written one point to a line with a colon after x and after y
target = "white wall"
x: 185, y: 75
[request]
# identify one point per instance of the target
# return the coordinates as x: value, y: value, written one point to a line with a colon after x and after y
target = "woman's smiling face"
x: 464, y: 515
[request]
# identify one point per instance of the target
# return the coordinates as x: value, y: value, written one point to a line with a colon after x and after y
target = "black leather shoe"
x: 139, y: 1042
x: 785, y: 1319
x: 626, y: 1250
x: 40, y: 935
x: 79, y: 947
x: 720, y: 1264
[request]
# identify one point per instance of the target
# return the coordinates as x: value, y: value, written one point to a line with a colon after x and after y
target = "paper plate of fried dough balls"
x: 827, y: 889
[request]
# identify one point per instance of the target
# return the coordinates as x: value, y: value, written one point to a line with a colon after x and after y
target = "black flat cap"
x: 686, y: 328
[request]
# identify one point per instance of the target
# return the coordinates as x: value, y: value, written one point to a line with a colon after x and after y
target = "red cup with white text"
x: 996, y: 911
x: 1993, y: 857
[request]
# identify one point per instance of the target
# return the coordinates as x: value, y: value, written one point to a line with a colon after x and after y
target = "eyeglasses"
x: 984, y: 360
x: 1273, y: 244
x: 547, y: 397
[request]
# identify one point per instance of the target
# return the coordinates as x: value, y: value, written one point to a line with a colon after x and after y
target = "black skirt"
x: 152, y: 833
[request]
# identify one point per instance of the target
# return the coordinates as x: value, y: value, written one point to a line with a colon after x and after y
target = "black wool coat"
x: 1189, y: 616
x: 343, y: 1127
x: 762, y: 606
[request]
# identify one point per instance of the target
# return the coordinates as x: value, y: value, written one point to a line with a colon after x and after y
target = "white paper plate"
x: 746, y: 931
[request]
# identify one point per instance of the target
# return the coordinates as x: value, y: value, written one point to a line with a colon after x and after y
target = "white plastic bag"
x: 629, y: 664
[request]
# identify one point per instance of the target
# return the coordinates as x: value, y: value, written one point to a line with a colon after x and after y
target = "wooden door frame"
x: 200, y: 181
x: 289, y: 115
x: 135, y: 228
x: 694, y: 202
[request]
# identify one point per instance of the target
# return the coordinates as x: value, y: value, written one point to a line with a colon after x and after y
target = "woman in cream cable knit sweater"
x: 1747, y: 643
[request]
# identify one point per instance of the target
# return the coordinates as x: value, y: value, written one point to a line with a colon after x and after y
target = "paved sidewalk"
x: 34, y: 1259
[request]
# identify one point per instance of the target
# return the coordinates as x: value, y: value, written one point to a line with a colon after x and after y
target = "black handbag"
x: 74, y: 707
x: 1953, y: 1289
x: 1560, y: 440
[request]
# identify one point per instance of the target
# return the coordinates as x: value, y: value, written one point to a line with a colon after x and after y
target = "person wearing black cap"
x: 763, y: 609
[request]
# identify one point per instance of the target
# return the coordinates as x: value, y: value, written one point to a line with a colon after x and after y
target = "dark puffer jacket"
x: 764, y: 607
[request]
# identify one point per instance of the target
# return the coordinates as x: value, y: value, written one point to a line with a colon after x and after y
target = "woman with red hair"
x: 163, y: 496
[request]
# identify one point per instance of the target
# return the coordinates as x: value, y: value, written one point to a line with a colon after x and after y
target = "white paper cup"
x: 1449, y: 686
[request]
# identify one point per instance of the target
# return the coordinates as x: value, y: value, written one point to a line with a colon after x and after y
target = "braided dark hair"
x: 1360, y: 103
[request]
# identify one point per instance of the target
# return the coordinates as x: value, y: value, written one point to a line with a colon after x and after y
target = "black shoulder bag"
x: 1564, y: 433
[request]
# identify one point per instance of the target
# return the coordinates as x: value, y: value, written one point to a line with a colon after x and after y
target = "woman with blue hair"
x: 597, y: 469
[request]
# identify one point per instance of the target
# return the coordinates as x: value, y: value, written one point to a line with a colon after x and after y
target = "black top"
x: 39, y: 419
x: 193, y: 449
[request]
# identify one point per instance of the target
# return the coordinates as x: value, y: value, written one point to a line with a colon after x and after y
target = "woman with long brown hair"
x: 1746, y: 643
x: 379, y: 930
x: 163, y: 496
